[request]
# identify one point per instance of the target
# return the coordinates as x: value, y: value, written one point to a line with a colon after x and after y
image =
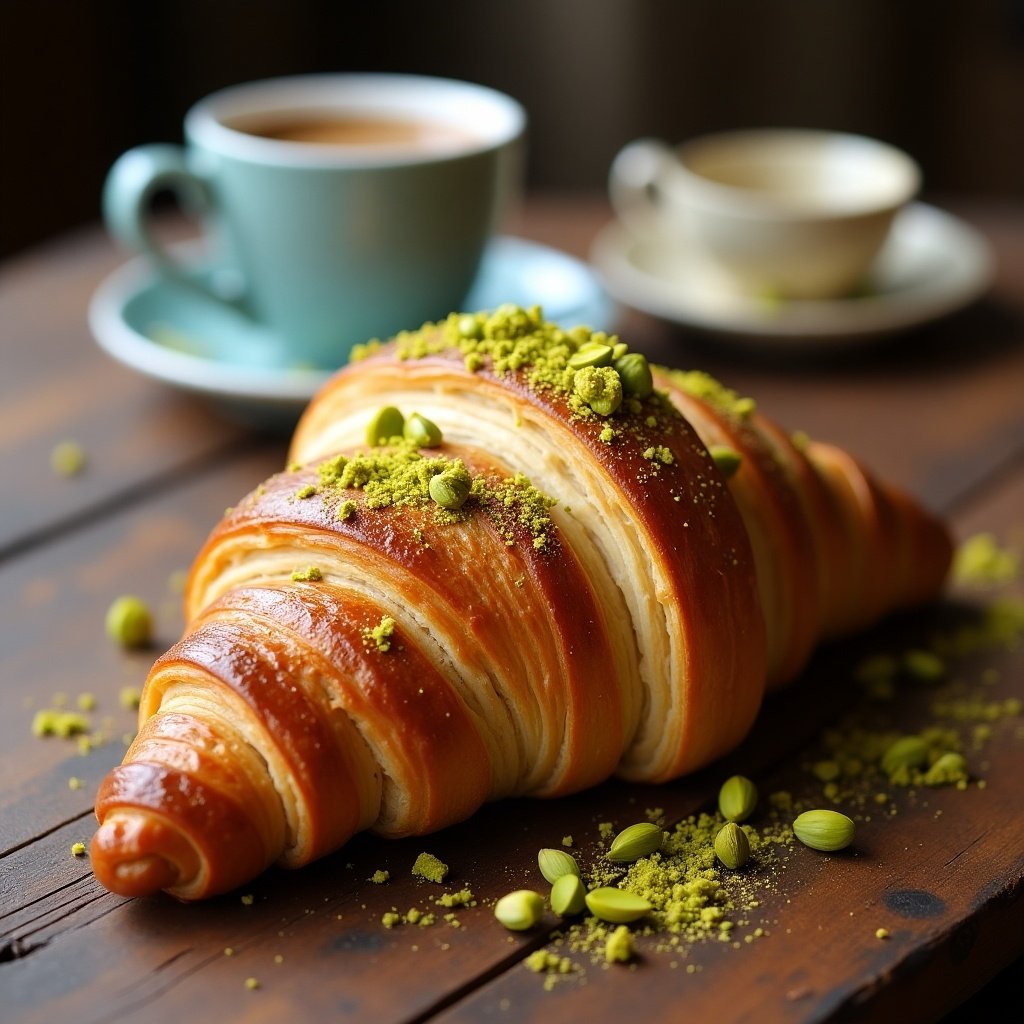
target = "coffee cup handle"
x: 636, y: 184
x: 131, y: 185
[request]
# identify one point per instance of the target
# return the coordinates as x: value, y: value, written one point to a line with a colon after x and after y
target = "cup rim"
x: 723, y: 197
x: 493, y: 118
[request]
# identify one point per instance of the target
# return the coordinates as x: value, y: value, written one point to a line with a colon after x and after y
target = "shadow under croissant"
x: 500, y: 841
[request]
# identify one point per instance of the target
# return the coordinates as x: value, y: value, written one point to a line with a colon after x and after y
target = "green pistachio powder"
x: 695, y: 899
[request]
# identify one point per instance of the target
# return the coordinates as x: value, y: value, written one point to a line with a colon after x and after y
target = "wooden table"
x: 941, y: 410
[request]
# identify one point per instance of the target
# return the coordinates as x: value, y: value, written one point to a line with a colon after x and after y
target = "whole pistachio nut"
x: 519, y: 910
x: 616, y: 905
x: 824, y: 830
x: 949, y: 768
x: 636, y: 376
x: 590, y: 354
x: 422, y: 432
x: 450, y: 488
x: 732, y: 847
x: 727, y: 459
x: 639, y: 840
x: 905, y: 753
x: 737, y: 798
x: 129, y: 621
x: 568, y: 897
x: 555, y: 863
x: 387, y: 422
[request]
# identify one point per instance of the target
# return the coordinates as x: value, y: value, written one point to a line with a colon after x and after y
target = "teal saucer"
x: 178, y: 335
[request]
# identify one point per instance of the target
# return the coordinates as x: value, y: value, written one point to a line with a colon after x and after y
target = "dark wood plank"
x: 944, y: 874
x: 55, y: 385
x: 70, y: 942
x: 69, y: 949
x: 52, y: 605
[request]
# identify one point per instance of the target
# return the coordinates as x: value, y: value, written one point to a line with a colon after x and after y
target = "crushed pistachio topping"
x: 401, y: 475
x: 311, y: 574
x: 380, y: 636
x: 702, y: 385
x: 513, y: 339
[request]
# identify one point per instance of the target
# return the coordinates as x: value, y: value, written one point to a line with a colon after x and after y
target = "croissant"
x: 599, y: 569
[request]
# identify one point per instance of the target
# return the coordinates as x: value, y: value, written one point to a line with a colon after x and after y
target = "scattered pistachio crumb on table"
x: 247, y: 899
x: 252, y: 984
x: 67, y: 458
x: 380, y: 877
x: 980, y: 561
x: 129, y: 622
x: 56, y: 722
x: 78, y: 849
x: 430, y: 867
x: 130, y: 697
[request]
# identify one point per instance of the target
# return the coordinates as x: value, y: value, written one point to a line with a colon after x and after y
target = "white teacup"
x: 792, y: 213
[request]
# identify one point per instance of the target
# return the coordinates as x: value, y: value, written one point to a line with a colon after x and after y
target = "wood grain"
x: 940, y: 411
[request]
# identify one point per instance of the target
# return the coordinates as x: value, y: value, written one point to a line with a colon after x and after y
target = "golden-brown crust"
x: 696, y: 552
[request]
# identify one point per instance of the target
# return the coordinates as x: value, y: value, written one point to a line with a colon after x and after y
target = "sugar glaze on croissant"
x: 605, y: 601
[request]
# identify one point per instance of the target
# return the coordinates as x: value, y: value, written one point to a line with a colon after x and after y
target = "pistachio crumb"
x: 78, y: 849
x: 130, y: 697
x: 129, y: 621
x: 379, y: 636
x: 619, y: 946
x: 67, y: 458
x: 429, y: 867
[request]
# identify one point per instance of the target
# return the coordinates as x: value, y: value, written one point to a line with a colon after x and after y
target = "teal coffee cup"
x: 336, y: 208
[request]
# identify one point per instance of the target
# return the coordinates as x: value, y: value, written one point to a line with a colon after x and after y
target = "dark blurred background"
x: 83, y: 80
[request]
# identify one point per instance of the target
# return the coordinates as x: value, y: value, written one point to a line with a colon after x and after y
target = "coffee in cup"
x: 344, y: 207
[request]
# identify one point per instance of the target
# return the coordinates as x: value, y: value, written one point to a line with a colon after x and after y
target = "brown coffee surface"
x: 362, y: 131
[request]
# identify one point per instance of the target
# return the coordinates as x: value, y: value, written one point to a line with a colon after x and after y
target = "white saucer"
x: 178, y: 335
x: 931, y: 265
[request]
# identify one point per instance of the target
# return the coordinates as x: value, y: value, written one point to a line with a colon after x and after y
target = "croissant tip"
x: 126, y: 872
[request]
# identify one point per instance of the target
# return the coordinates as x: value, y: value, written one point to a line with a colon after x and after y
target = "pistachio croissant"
x: 595, y: 570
